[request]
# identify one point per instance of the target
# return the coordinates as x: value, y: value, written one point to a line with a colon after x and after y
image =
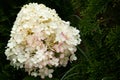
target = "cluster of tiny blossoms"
x: 40, y: 41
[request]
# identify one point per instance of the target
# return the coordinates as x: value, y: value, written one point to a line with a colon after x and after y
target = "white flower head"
x: 41, y: 40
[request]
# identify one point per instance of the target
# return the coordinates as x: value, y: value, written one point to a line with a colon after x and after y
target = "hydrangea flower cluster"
x: 41, y: 40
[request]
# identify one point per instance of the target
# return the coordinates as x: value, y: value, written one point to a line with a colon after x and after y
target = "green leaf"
x: 65, y: 75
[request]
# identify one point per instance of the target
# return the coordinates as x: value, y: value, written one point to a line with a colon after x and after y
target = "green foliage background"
x: 98, y: 54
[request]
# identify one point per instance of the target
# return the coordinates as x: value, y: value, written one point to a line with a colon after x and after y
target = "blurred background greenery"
x: 99, y: 25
